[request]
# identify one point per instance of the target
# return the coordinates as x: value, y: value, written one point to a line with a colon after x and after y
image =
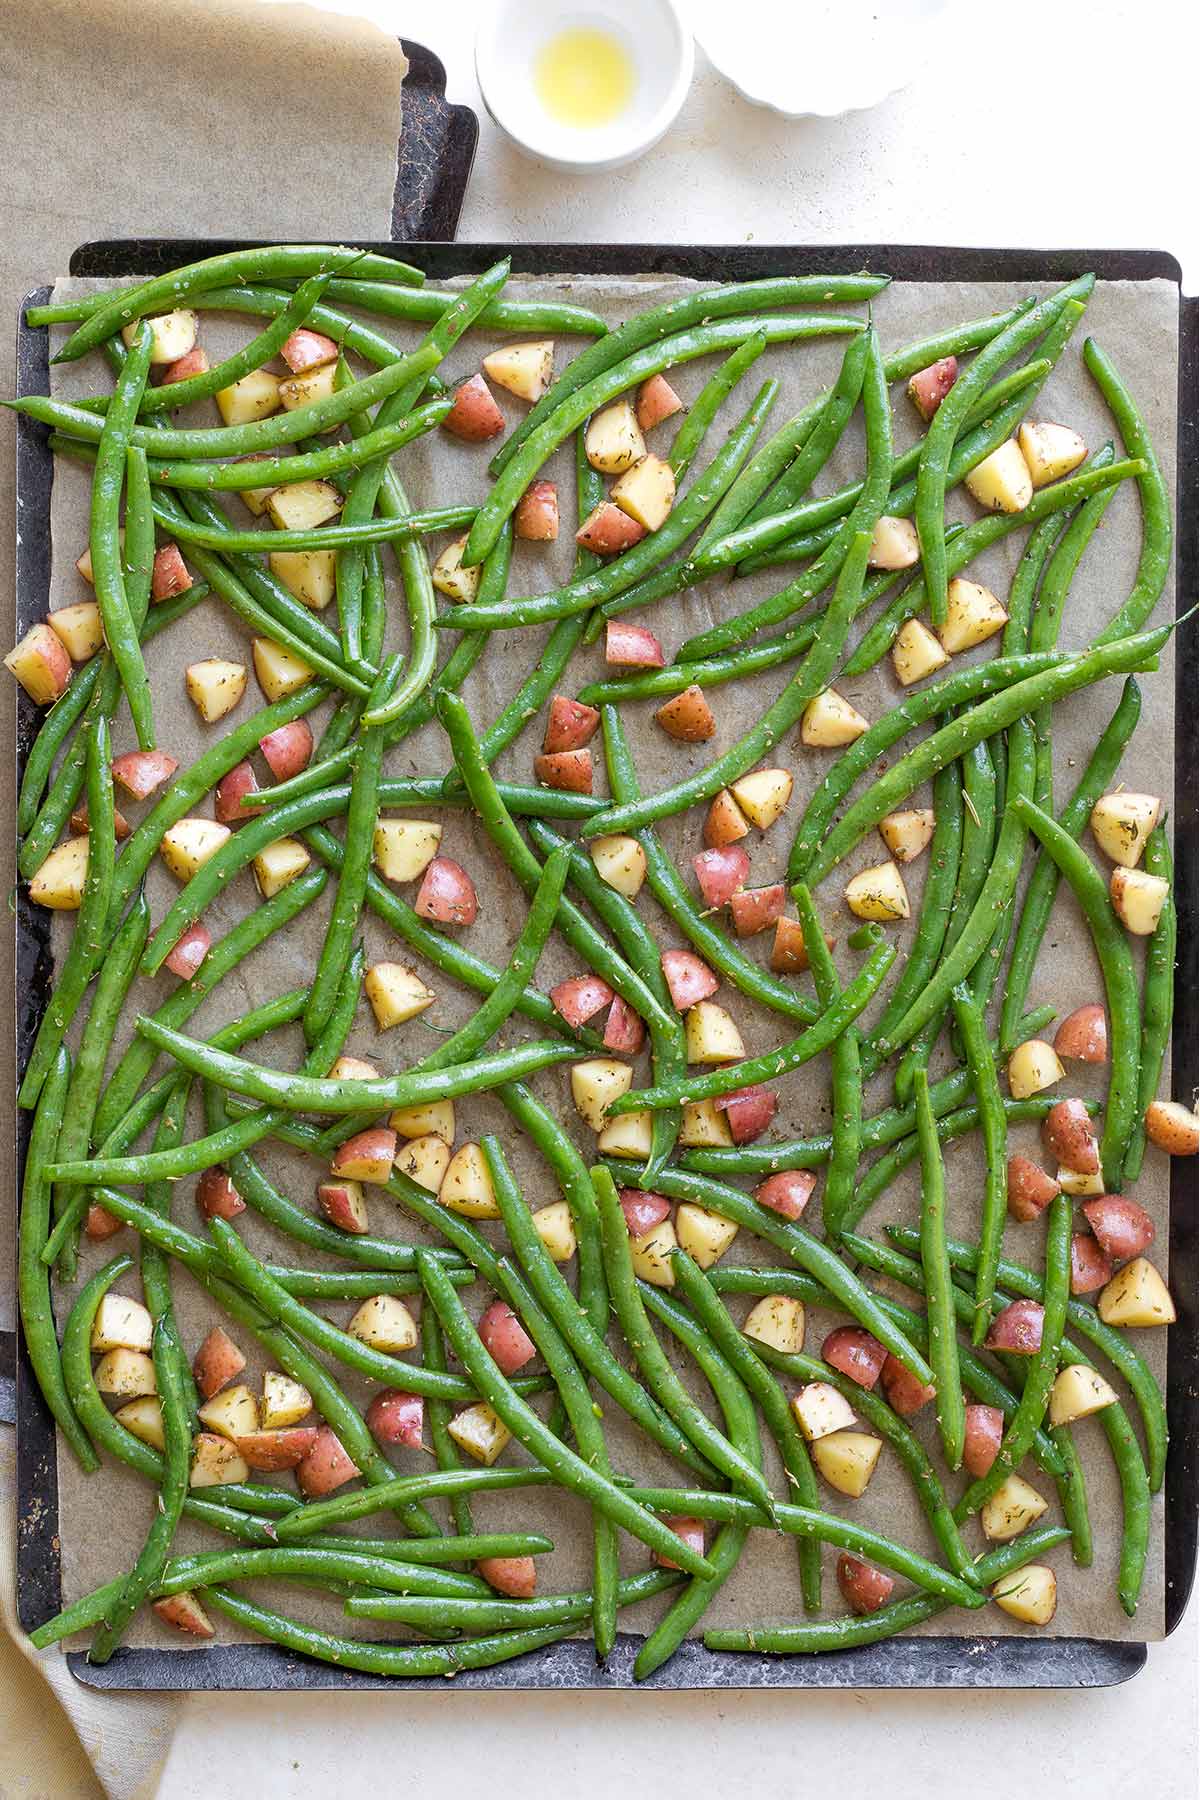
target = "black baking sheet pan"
x: 923, y: 1662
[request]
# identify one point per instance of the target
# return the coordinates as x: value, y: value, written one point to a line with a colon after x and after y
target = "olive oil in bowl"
x: 584, y: 77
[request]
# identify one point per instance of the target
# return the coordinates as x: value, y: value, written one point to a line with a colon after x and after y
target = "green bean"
x: 346, y: 1563
x: 1158, y: 999
x: 1135, y: 1504
x: 567, y: 1469
x: 1120, y: 984
x: 1043, y: 883
x: 341, y: 536
x: 811, y: 1042
x: 818, y: 1635
x: 821, y: 442
x: 945, y: 850
x: 309, y: 1519
x: 944, y: 426
x: 943, y: 1343
x: 708, y: 402
x: 1155, y: 559
x: 575, y: 1183
x: 438, y: 1414
x: 801, y: 1248
x: 845, y: 1075
x: 113, y: 437
x: 994, y: 1125
x: 1072, y: 1497
x: 651, y: 684
x: 508, y: 1615
x: 55, y: 728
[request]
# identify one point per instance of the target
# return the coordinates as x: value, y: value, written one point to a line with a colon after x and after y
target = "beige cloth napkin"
x: 177, y: 118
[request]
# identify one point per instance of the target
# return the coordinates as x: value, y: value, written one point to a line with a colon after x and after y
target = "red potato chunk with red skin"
x: 624, y: 1030
x: 1069, y: 1137
x: 689, y: 1532
x: 568, y: 770
x: 367, y: 1156
x: 757, y: 909
x: 725, y: 822
x: 631, y: 647
x: 789, y: 952
x: 688, y: 717
x: 787, y: 1192
x: 287, y: 749
x: 1091, y: 1266
x: 327, y: 1466
x: 929, y: 387
x: 982, y: 1439
x: 216, y: 1363
x: 515, y: 1576
x: 121, y: 825
x: 748, y: 1112
x: 720, y: 873
x: 905, y: 1394
x: 184, y: 1613
x: 139, y: 772
x: 580, y: 998
x: 1030, y: 1189
x: 607, y: 530
x: 216, y: 1196
x: 570, y: 726
x: 99, y: 1225
x: 170, y: 574
x: 656, y: 401
x: 307, y: 349
x: 474, y: 417
x: 535, y: 520
x: 397, y: 1419
x: 1083, y: 1035
x: 270, y: 1452
x: 1017, y: 1327
x: 343, y: 1205
x: 863, y: 1587
x: 688, y: 977
x: 447, y: 894
x: 190, y: 951
x: 229, y: 792
x: 1123, y: 1228
x: 855, y: 1354
x: 192, y: 362
x: 505, y: 1338
x: 643, y: 1211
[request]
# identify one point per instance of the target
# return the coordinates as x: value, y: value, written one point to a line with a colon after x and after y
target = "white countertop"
x: 1058, y: 124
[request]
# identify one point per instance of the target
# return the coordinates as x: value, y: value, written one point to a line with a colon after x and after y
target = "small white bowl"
x: 658, y: 42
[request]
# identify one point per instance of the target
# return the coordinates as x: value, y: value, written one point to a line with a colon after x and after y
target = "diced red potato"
x: 929, y: 387
x: 646, y: 491
x: 1030, y: 1189
x: 607, y: 530
x: 748, y: 1112
x: 720, y: 873
x: 1069, y: 1137
x: 580, y: 998
x: 343, y: 1204
x: 397, y: 1418
x: 689, y: 1532
x: 687, y: 717
x: 121, y: 825
x: 536, y: 517
x: 855, y: 1354
x: 1091, y: 1266
x: 688, y: 978
x: 170, y: 574
x: 139, y: 772
x: 326, y: 1468
x: 217, y: 1362
x: 787, y: 1192
x: 789, y: 952
x: 1017, y: 1327
x: 287, y: 749
x: 643, y: 1211
x: 216, y: 1196
x: 624, y: 1030
x: 447, y: 895
x: 1172, y: 1127
x: 613, y: 441
x: 570, y: 726
x: 525, y: 370
x: 1123, y: 1228
x: 863, y: 1587
x: 227, y: 796
x: 192, y: 362
x: 79, y: 628
x: 568, y: 770
x: 41, y: 663
x: 59, y: 882
x: 515, y: 1576
x: 272, y: 1451
x: 307, y: 349
x: 982, y: 1439
x: 756, y: 909
x: 185, y: 1613
x: 1083, y: 1035
x: 656, y: 401
x: 474, y: 417
x: 505, y: 1338
x: 631, y: 647
x: 190, y: 951
x: 726, y: 822
x: 98, y: 1224
x: 905, y: 1394
x: 367, y: 1156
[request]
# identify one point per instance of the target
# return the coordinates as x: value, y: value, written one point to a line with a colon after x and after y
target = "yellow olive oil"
x: 584, y: 77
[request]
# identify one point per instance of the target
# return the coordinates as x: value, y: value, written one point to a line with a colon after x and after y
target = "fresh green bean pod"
x: 1155, y: 561
x: 1158, y: 998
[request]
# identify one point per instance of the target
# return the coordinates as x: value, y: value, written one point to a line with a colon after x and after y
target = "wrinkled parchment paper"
x: 103, y: 1519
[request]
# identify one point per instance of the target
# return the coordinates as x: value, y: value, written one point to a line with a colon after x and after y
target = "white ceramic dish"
x: 817, y: 58
x: 655, y: 37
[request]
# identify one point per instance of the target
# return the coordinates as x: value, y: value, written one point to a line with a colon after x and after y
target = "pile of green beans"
x: 542, y: 1325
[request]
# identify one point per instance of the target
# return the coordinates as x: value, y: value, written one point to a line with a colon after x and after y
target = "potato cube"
x: 763, y: 795
x: 916, y: 653
x: 525, y: 370
x: 480, y: 1432
x: 78, y: 628
x: 188, y: 844
x: 279, y: 672
x: 556, y: 1228
x: 1012, y: 1509
x: 1122, y: 822
x: 303, y: 505
x: 712, y: 1036
x: 129, y: 1374
x: 878, y: 893
x: 907, y: 833
x: 1138, y: 899
x: 704, y: 1126
x: 629, y: 1134
x: 595, y: 1084
x: 41, y: 664
x: 1136, y: 1295
x: 404, y: 848
x: 385, y: 1323
x: 437, y: 1119
x: 1050, y: 451
x: 821, y: 1410
x: 396, y: 993
x: 1001, y: 482
x: 621, y: 862
x: 172, y: 334
x: 894, y: 544
x: 306, y: 389
x: 216, y: 1461
x: 214, y: 687
x: 777, y: 1321
x: 255, y: 396
x: 467, y: 1185
x: 143, y: 1420
x: 829, y: 721
x: 847, y: 1460
x: 1029, y: 1594
x: 651, y: 1254
x: 646, y: 491
x: 1077, y: 1392
x: 450, y: 578
x: 122, y: 1323
x: 278, y: 864
x: 311, y: 575
x: 284, y: 1401
x: 424, y: 1160
x: 973, y: 614
x: 1033, y: 1066
x: 233, y: 1412
x: 706, y: 1236
x: 59, y: 881
x: 614, y: 441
